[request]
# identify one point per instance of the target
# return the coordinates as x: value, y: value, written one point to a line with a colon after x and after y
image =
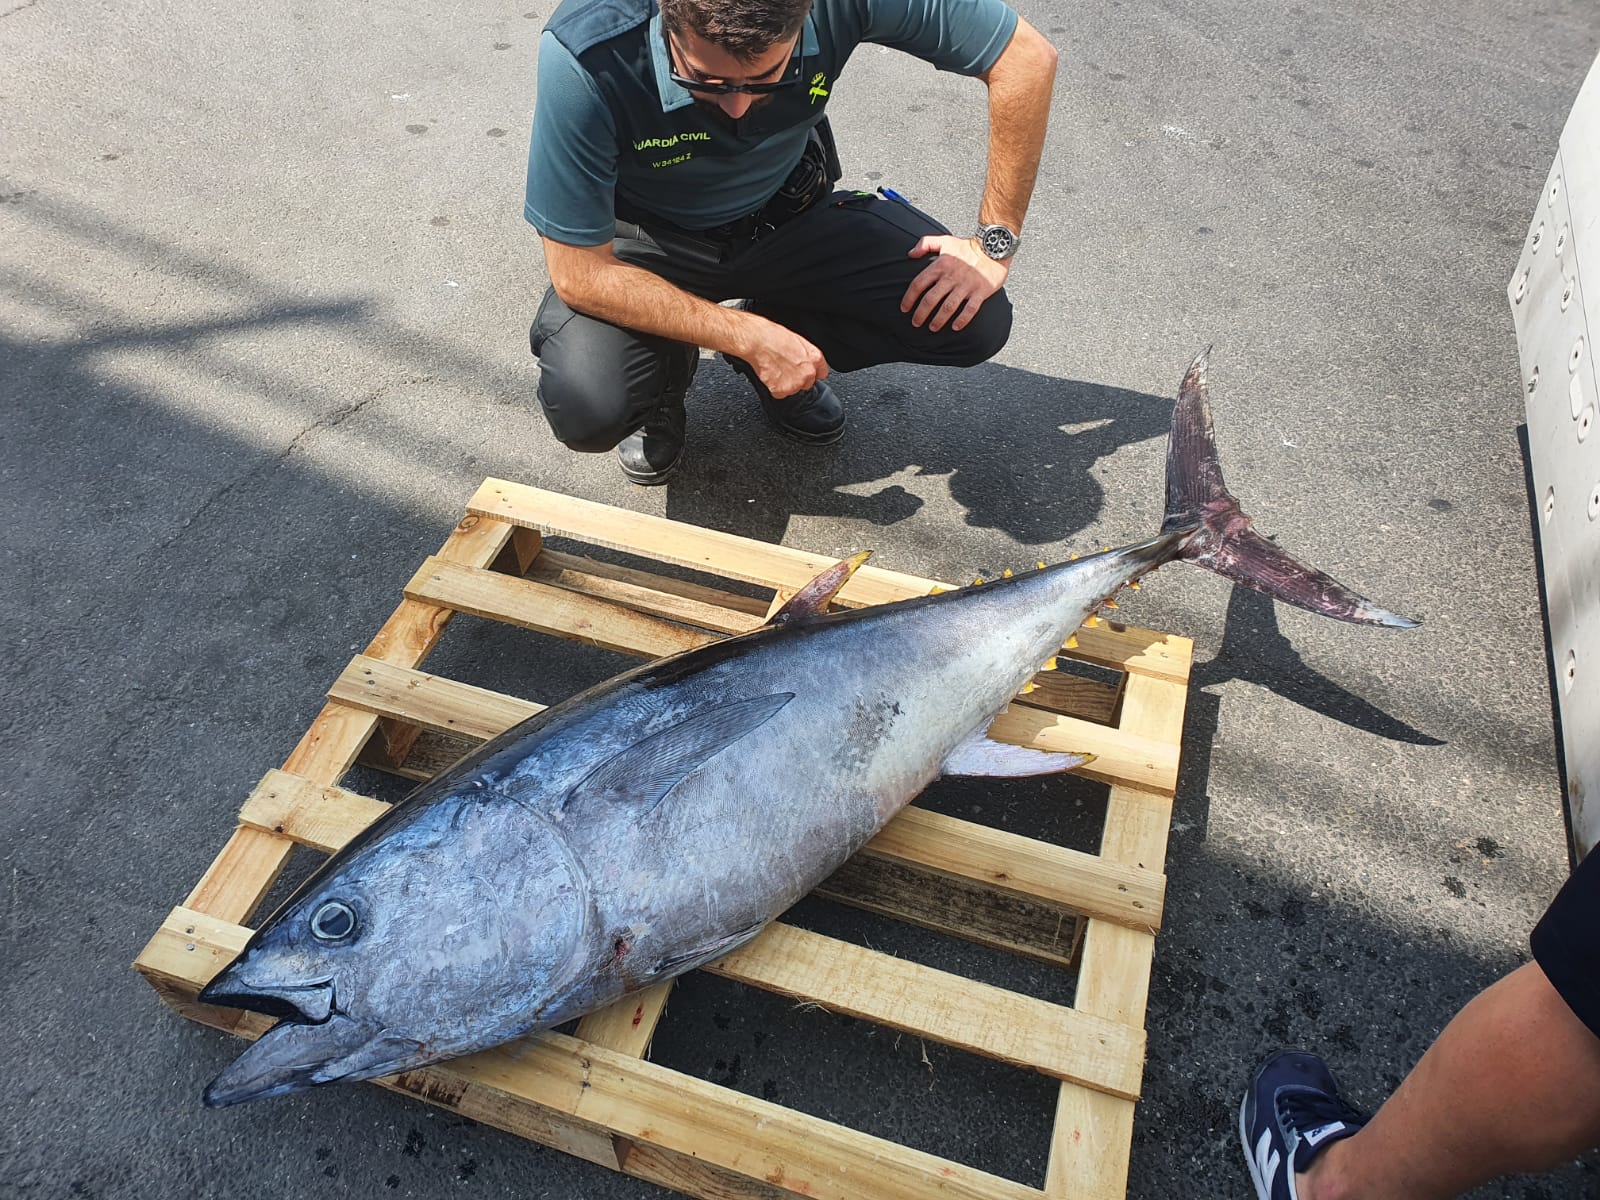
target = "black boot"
x: 813, y: 416
x: 650, y: 454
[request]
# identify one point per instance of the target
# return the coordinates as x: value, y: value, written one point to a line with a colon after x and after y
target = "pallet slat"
x: 545, y: 609
x: 658, y: 595
x: 984, y: 1020
x: 1109, y: 644
x: 1093, y: 1132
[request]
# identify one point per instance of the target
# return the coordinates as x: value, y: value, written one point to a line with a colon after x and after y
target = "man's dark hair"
x: 744, y: 28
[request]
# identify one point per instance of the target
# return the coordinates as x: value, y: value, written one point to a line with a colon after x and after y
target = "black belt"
x: 758, y: 224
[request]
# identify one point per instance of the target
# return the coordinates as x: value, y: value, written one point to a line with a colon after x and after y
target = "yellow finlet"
x: 1134, y: 584
x: 978, y: 581
x: 1040, y: 564
x: 1110, y: 603
x: 1030, y: 686
x: 1072, y: 641
x: 1006, y: 574
x: 1091, y: 621
x: 939, y: 591
x: 1049, y: 664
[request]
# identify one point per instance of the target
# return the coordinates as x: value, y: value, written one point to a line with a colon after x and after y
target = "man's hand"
x: 951, y: 289
x: 783, y: 360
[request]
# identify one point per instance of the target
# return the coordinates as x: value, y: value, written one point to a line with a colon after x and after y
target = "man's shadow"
x: 1013, y: 448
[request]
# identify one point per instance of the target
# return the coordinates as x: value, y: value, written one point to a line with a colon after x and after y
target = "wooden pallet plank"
x: 430, y: 701
x: 437, y: 703
x: 1085, y: 883
x: 1073, y: 695
x: 658, y: 595
x: 679, y: 543
x: 1110, y: 644
x: 1121, y: 754
x: 546, y: 609
x: 628, y: 1025
x: 1093, y: 1133
x: 642, y: 1102
x: 989, y: 1021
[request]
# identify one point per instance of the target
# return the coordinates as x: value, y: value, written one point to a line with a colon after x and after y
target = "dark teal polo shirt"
x: 609, y: 122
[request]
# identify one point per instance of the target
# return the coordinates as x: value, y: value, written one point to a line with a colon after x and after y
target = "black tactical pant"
x: 835, y: 275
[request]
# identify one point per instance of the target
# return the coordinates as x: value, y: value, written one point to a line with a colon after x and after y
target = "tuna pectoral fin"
x: 814, y: 598
x: 982, y: 755
x: 677, y: 964
x: 1218, y: 534
x: 647, y: 770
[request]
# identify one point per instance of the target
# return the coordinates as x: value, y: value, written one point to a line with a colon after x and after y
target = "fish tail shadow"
x: 1217, y: 533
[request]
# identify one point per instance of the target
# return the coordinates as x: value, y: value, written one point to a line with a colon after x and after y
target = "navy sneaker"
x: 1291, y: 1112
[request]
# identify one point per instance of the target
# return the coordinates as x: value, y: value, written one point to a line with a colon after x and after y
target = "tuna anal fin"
x: 813, y: 599
x: 646, y: 771
x: 982, y: 755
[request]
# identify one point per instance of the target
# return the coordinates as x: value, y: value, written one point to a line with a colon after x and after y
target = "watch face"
x: 999, y: 242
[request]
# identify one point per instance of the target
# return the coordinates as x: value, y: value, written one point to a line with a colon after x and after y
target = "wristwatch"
x: 998, y: 242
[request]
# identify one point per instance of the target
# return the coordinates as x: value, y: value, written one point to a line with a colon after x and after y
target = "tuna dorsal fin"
x: 814, y: 598
x: 646, y: 771
x: 982, y: 755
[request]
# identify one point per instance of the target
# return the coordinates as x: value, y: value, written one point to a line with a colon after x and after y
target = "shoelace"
x: 1308, y: 1109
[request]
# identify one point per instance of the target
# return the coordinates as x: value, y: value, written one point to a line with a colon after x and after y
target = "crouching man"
x: 681, y: 157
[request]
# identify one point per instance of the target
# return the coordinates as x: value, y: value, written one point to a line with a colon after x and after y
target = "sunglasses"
x: 791, y: 76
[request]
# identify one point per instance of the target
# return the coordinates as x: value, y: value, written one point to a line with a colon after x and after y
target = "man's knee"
x: 582, y: 417
x: 593, y: 376
x: 985, y: 336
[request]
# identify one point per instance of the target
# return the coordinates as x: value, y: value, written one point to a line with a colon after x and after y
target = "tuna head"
x: 446, y: 927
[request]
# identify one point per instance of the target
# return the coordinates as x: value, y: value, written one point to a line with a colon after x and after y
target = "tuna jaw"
x: 293, y: 1055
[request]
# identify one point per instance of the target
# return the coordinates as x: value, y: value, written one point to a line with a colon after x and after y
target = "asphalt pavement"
x: 264, y: 294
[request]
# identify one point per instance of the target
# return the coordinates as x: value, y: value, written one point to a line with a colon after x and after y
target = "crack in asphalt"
x: 332, y: 421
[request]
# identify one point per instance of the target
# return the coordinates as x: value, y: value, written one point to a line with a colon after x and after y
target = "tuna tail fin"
x: 1220, y: 536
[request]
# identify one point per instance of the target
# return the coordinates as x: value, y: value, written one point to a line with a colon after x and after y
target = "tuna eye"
x: 333, y: 920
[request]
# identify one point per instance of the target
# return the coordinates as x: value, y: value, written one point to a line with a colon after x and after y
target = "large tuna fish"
x: 656, y: 821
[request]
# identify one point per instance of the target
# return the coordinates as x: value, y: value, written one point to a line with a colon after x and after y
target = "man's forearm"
x: 1020, y: 85
x: 637, y: 299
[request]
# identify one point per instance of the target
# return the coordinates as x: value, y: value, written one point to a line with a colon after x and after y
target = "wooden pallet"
x: 594, y: 1094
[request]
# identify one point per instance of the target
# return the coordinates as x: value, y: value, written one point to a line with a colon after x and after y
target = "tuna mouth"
x: 303, y: 1003
x: 314, y: 1042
